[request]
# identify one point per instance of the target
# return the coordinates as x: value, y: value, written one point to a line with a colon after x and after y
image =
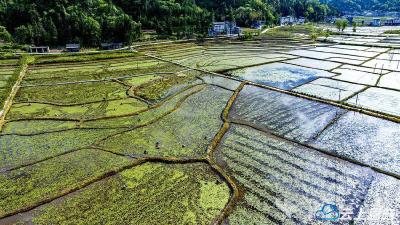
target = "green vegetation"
x: 11, y: 76
x: 30, y: 185
x: 290, y: 31
x: 151, y: 193
x: 155, y: 112
x: 183, y: 133
x: 59, y: 22
x: 4, y: 35
x: 362, y: 5
x: 85, y: 111
x: 68, y: 58
x: 20, y: 150
x: 92, y: 22
x: 30, y: 127
x: 341, y: 25
x: 392, y: 32
x: 126, y: 138
x: 159, y: 88
x: 73, y: 93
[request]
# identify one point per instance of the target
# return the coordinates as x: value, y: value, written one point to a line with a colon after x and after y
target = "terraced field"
x: 220, y: 132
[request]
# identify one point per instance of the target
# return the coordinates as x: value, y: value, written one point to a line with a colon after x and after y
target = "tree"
x: 345, y: 24
x: 91, y: 32
x: 338, y: 24
x: 24, y: 34
x: 341, y: 25
x: 4, y: 35
x: 91, y: 21
x: 51, y: 34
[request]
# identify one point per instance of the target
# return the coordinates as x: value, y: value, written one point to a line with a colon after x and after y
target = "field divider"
x: 68, y: 191
x: 376, y: 57
x: 176, y: 107
x: 236, y: 191
x: 352, y: 82
x: 94, y: 145
x: 82, y: 120
x: 9, y: 101
x: 371, y: 45
x: 346, y: 106
x: 356, y: 93
x: 43, y: 160
x: 162, y: 159
x: 339, y: 104
x: 136, y: 161
x: 69, y: 104
x: 323, y: 151
x: 63, y: 130
x: 95, y: 81
x: 153, y: 106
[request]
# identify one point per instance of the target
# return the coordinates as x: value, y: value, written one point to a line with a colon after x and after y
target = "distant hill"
x: 363, y: 5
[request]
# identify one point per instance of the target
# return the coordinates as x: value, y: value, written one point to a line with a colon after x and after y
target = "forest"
x: 361, y: 5
x: 90, y: 22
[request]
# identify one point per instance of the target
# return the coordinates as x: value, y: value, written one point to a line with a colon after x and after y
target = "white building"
x: 290, y: 20
x: 287, y: 20
x: 376, y: 22
x: 221, y: 28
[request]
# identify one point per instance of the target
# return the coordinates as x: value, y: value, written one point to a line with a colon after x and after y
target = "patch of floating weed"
x: 36, y: 126
x: 73, y: 93
x: 82, y: 57
x: 165, y: 86
x: 20, y: 150
x: 148, y: 194
x: 30, y: 185
x: 143, y: 117
x: 140, y: 80
x: 185, y: 132
x: 97, y: 71
x: 86, y: 111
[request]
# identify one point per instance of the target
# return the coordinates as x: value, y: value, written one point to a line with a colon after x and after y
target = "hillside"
x: 91, y: 22
x: 362, y: 5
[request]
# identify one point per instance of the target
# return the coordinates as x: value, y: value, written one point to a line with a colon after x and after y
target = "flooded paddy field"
x: 269, y: 131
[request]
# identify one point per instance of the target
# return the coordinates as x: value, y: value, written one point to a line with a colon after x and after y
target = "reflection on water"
x: 280, y: 75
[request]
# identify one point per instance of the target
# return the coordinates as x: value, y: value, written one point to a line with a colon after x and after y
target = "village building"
x: 376, y: 22
x: 73, y: 47
x: 291, y: 20
x: 392, y: 22
x: 224, y: 28
x: 287, y: 20
x: 39, y: 49
x: 258, y: 24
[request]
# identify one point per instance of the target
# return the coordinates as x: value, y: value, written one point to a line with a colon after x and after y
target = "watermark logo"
x: 328, y: 212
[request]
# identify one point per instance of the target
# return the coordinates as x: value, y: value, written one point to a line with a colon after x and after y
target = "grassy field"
x: 159, y: 135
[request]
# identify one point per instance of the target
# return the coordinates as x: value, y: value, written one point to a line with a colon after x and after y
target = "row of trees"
x: 61, y: 21
x: 90, y: 22
x: 361, y: 5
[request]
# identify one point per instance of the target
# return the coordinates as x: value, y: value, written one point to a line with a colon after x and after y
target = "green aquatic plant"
x: 73, y: 93
x: 185, y: 132
x: 21, y: 150
x: 151, y: 193
x: 158, y: 89
x: 29, y: 186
